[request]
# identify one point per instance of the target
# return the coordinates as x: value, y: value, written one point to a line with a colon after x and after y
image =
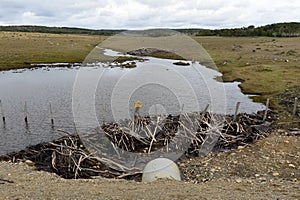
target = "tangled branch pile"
x: 68, y: 158
x: 157, y: 132
x: 287, y: 99
x: 191, y: 134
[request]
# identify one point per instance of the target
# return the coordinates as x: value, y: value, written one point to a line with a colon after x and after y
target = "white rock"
x: 240, y: 147
x: 29, y: 162
x: 160, y: 168
x: 238, y: 180
x: 291, y: 165
x: 275, y: 174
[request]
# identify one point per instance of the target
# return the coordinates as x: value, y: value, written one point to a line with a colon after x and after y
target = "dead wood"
x: 69, y: 158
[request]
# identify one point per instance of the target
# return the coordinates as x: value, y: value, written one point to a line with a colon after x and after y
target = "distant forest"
x: 290, y: 29
x: 58, y: 30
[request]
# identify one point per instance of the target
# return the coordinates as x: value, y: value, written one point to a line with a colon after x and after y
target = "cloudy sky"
x: 140, y: 14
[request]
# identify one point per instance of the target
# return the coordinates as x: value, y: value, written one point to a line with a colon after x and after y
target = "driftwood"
x: 69, y: 158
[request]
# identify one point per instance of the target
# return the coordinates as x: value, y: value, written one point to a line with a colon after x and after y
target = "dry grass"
x: 18, y: 50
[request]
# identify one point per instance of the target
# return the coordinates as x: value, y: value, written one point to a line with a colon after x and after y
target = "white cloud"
x: 28, y: 14
x: 148, y: 13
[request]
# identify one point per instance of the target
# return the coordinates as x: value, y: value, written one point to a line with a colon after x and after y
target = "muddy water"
x: 117, y: 89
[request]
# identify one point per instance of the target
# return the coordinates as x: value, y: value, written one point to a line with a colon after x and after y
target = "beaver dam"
x: 186, y: 135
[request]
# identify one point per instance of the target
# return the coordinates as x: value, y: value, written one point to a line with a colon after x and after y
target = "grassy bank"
x: 19, y: 50
x: 266, y: 66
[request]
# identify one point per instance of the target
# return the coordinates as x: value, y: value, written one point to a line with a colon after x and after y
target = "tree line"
x: 58, y: 30
x: 289, y: 29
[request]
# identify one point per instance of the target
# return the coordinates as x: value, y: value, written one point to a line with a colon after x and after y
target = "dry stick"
x: 5, y: 180
x: 133, y: 120
x: 78, y: 166
x: 116, y: 150
x: 113, y: 164
x: 51, y: 114
x: 204, y: 111
x: 266, y: 111
x: 190, y: 132
x: 295, y: 106
x: 236, y: 110
x: 2, y: 112
x: 153, y: 135
x: 128, y: 174
x: 53, y: 160
x: 155, y: 129
x: 26, y: 114
x: 182, y: 108
x: 132, y: 133
x: 206, y: 108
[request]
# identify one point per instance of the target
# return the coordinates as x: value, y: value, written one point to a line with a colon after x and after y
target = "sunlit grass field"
x: 19, y: 50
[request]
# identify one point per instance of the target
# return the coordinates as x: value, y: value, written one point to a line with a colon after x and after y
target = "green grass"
x: 259, y: 62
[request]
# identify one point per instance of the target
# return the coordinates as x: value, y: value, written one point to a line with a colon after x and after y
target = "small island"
x: 157, y: 53
x: 181, y: 63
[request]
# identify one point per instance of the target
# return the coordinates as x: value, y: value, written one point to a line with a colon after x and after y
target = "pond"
x: 160, y: 85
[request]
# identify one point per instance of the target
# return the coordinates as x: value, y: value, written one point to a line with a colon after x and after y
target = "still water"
x: 160, y: 85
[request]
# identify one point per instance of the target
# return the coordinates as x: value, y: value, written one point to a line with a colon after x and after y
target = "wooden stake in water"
x: 2, y: 112
x: 182, y: 107
x: 206, y: 108
x: 51, y: 114
x: 236, y: 110
x: 204, y: 111
x: 295, y: 106
x: 266, y: 111
x: 26, y: 114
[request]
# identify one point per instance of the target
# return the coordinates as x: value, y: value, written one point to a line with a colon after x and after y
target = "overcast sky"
x: 140, y: 14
